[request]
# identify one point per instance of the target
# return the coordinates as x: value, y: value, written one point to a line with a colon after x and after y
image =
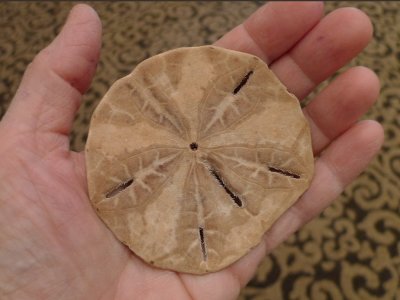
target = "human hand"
x: 53, y: 246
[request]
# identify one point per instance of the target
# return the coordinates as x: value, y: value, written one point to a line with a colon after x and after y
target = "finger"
x: 338, y: 165
x: 51, y: 88
x: 339, y: 37
x: 273, y: 29
x: 340, y: 105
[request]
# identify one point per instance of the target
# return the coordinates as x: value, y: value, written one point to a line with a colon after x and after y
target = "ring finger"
x: 340, y: 105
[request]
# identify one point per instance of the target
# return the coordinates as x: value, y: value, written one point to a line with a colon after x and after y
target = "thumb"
x: 51, y: 88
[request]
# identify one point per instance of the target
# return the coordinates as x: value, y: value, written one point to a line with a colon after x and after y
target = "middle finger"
x: 336, y: 39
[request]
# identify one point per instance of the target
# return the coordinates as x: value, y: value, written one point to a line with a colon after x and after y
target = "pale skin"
x: 53, y: 246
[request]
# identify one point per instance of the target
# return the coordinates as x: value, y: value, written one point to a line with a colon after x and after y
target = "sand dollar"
x: 194, y: 155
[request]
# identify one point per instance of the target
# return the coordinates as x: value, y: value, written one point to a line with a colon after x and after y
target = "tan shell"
x: 194, y: 155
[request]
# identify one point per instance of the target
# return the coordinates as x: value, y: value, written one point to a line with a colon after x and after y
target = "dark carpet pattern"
x: 352, y: 250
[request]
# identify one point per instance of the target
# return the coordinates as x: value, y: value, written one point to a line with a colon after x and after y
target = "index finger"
x: 273, y: 29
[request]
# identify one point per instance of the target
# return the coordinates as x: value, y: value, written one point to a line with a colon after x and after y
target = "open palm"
x: 53, y: 246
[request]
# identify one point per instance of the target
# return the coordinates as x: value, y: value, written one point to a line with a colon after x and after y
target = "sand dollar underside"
x: 194, y: 155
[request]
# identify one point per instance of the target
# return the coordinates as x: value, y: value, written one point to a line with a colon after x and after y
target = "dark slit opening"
x: 194, y: 146
x: 234, y: 197
x: 119, y: 188
x: 284, y: 172
x: 202, y: 243
x: 242, y: 83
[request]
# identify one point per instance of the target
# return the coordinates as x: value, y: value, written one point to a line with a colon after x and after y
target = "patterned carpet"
x: 352, y: 250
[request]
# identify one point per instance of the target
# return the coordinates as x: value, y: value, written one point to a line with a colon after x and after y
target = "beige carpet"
x: 352, y: 251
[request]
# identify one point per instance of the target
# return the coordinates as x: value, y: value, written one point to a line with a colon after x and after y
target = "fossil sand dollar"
x: 194, y: 155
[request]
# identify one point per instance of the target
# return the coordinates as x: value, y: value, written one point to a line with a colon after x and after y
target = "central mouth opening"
x: 194, y: 146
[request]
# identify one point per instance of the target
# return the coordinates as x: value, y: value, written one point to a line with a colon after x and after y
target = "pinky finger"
x: 343, y: 160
